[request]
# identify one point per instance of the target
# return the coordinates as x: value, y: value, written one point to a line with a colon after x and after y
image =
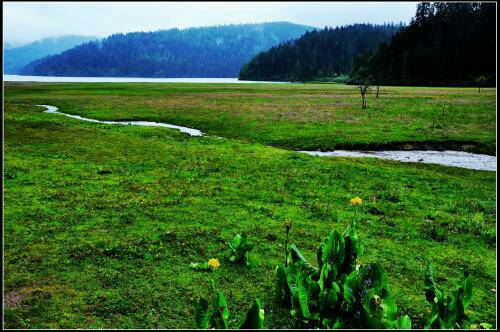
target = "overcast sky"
x: 28, y: 21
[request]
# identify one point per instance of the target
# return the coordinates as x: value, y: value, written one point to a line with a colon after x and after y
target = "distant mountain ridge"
x: 16, y: 58
x: 217, y: 51
x: 9, y: 45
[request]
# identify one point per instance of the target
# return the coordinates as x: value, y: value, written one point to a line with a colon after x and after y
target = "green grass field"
x: 101, y: 222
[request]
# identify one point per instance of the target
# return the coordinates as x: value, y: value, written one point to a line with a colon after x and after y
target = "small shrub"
x: 343, y: 79
x: 240, y: 247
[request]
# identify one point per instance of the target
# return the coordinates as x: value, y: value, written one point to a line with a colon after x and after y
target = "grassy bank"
x: 292, y: 116
x: 101, y: 222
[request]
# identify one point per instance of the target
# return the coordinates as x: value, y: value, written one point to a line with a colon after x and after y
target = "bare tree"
x: 481, y: 81
x: 376, y: 79
x: 363, y: 89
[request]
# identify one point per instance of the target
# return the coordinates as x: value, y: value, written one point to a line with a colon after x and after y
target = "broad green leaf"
x: 350, y: 284
x: 376, y: 276
x: 325, y: 270
x: 297, y: 257
x: 486, y: 326
x: 333, y: 249
x: 255, y: 317
x: 236, y: 242
x: 450, y: 311
x: 222, y: 303
x: 467, y: 291
x: 331, y: 298
x: 202, y: 314
x: 303, y: 284
x: 281, y: 283
x: 403, y: 323
x: 429, y: 284
x: 389, y: 307
x: 432, y: 322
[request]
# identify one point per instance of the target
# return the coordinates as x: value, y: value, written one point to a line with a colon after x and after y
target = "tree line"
x: 327, y: 53
x: 452, y: 44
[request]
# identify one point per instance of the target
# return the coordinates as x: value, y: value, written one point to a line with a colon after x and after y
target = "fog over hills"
x: 17, y: 57
x: 216, y: 51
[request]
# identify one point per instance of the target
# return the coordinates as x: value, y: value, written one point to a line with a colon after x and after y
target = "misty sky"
x: 28, y: 21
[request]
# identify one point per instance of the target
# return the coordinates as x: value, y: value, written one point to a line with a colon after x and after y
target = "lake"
x: 55, y: 79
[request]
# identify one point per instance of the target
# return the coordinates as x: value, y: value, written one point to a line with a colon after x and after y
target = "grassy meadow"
x: 101, y: 222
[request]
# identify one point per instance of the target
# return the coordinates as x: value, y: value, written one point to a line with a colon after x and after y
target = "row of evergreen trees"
x: 317, y: 54
x: 444, y: 44
x: 448, y: 44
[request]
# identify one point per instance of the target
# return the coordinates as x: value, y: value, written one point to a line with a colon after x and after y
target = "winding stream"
x: 447, y: 158
x: 189, y: 131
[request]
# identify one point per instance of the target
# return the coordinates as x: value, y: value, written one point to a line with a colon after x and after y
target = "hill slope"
x: 15, y: 58
x: 317, y: 54
x: 445, y: 44
x: 217, y: 51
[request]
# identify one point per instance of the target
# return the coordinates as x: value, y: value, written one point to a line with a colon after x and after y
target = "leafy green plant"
x: 448, y: 310
x: 216, y: 313
x: 214, y: 316
x: 212, y: 265
x: 255, y: 317
x: 240, y: 247
x: 338, y: 293
x: 482, y: 326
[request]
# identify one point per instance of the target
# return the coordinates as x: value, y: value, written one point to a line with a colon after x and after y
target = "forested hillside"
x: 445, y: 44
x: 317, y: 54
x: 15, y: 58
x: 218, y: 51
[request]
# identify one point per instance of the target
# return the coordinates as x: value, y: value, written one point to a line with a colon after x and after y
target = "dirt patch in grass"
x: 13, y: 298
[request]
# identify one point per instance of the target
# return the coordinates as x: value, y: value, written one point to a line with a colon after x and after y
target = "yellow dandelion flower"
x: 213, y: 263
x: 356, y: 201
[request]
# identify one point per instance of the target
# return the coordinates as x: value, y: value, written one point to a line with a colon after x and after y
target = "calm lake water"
x: 21, y: 78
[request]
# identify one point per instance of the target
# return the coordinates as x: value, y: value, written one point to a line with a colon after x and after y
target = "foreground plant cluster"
x: 338, y: 293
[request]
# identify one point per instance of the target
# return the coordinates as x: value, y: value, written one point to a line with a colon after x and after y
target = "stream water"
x: 189, y: 131
x: 448, y: 158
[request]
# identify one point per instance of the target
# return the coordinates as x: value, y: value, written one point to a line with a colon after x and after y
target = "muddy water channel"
x: 448, y: 158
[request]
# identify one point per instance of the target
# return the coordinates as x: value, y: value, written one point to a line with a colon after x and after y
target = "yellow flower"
x: 213, y: 263
x: 356, y: 201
